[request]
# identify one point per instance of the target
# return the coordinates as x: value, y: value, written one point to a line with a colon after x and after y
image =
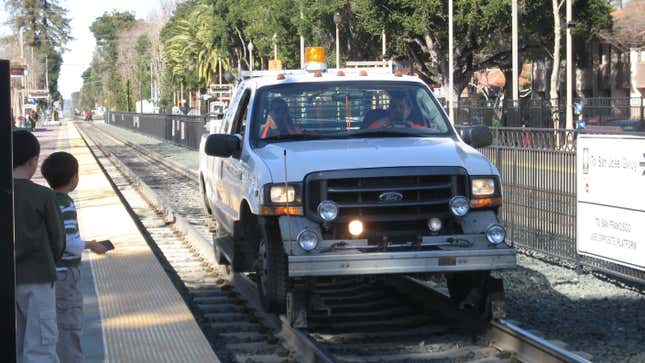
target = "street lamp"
x: 451, y: 107
x: 250, y: 46
x: 337, y: 20
x: 275, y: 45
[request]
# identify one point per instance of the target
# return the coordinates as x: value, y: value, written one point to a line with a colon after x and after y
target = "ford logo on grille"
x: 390, y: 197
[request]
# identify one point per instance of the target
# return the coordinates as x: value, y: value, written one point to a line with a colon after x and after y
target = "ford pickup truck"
x: 351, y: 172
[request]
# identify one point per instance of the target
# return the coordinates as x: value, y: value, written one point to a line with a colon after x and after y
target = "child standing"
x: 40, y: 242
x: 60, y: 170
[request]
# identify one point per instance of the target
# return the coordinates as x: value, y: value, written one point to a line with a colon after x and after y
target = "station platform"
x: 132, y: 311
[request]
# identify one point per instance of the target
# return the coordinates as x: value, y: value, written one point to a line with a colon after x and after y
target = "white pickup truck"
x: 351, y: 172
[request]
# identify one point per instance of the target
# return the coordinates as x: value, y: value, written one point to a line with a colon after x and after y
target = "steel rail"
x: 530, y: 347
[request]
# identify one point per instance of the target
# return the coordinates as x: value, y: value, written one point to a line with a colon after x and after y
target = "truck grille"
x: 386, y: 195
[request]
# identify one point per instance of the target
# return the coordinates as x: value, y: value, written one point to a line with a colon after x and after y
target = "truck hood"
x: 304, y: 157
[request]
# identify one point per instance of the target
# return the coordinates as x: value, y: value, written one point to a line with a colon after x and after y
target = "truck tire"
x: 468, y: 290
x: 272, y: 275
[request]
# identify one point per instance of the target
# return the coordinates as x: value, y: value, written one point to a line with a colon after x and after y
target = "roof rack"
x: 387, y: 69
x: 254, y: 74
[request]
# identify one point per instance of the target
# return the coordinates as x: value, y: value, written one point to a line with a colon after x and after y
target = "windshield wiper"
x: 295, y: 137
x: 386, y: 133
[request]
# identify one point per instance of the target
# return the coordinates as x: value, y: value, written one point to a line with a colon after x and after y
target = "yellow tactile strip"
x: 143, y: 317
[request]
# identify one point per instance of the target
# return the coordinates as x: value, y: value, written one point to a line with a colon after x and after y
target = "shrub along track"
x: 351, y: 319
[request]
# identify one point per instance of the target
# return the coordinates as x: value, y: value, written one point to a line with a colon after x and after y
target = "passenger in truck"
x: 279, y: 121
x: 400, y: 114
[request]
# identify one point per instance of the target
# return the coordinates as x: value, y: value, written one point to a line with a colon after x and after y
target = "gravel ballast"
x: 590, y: 315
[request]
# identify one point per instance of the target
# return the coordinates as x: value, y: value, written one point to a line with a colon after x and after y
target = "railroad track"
x: 351, y: 319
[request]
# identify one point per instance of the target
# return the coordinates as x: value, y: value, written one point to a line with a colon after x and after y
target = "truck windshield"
x: 306, y: 111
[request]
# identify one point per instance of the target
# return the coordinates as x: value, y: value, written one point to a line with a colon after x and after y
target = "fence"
x: 539, y: 113
x: 538, y: 168
x: 178, y: 129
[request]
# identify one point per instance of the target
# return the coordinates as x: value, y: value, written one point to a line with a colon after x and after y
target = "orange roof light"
x: 317, y: 74
x: 315, y: 54
x: 340, y: 74
x: 398, y: 73
x: 362, y: 73
x: 280, y: 76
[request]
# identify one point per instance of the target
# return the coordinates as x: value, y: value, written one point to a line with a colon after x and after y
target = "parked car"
x: 615, y: 125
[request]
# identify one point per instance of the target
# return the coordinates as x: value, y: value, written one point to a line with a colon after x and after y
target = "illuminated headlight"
x: 327, y: 210
x: 483, y: 187
x: 281, y: 193
x: 356, y: 227
x: 434, y: 224
x: 459, y: 206
x: 496, y: 234
x: 308, y: 240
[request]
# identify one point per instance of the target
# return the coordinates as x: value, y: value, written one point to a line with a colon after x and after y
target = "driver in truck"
x: 400, y: 114
x: 279, y: 121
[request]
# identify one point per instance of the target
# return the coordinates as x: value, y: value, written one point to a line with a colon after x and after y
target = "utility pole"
x: 337, y: 20
x: 451, y: 70
x: 152, y: 86
x: 515, y: 55
x: 47, y: 79
x: 250, y: 56
x: 22, y: 45
x: 127, y: 85
x: 569, y: 110
x: 219, y: 69
x: 302, y: 42
x: 383, y: 44
x: 140, y: 89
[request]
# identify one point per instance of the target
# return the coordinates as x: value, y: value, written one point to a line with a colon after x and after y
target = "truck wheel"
x: 468, y: 290
x: 272, y: 276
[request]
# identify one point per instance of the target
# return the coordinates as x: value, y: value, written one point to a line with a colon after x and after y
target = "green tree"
x: 102, y: 81
x: 46, y: 28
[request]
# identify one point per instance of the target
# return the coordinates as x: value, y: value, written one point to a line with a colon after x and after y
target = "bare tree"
x: 628, y: 31
x: 555, y: 72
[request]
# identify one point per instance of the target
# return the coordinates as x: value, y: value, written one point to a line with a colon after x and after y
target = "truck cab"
x: 351, y: 172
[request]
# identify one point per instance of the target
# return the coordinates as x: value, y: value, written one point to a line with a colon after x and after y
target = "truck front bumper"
x: 369, y: 263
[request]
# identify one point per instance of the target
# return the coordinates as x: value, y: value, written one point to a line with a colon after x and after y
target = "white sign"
x: 611, y: 198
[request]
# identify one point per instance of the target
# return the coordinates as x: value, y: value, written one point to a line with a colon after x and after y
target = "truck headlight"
x: 495, y: 234
x: 459, y: 206
x: 282, y: 194
x: 434, y: 224
x: 308, y: 240
x: 355, y: 227
x: 328, y: 210
x: 483, y: 187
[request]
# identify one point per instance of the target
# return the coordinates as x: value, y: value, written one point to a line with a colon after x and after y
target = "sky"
x: 82, y: 13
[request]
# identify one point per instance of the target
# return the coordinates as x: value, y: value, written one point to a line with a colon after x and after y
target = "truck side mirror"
x: 477, y: 136
x: 222, y: 145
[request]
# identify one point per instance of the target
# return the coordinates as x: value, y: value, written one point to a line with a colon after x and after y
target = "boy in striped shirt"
x: 60, y: 170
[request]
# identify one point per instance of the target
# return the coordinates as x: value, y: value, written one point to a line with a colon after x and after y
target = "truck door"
x: 218, y: 193
x: 233, y: 176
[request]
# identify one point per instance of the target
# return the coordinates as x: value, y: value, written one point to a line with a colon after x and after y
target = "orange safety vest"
x: 385, y: 123
x: 290, y: 130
